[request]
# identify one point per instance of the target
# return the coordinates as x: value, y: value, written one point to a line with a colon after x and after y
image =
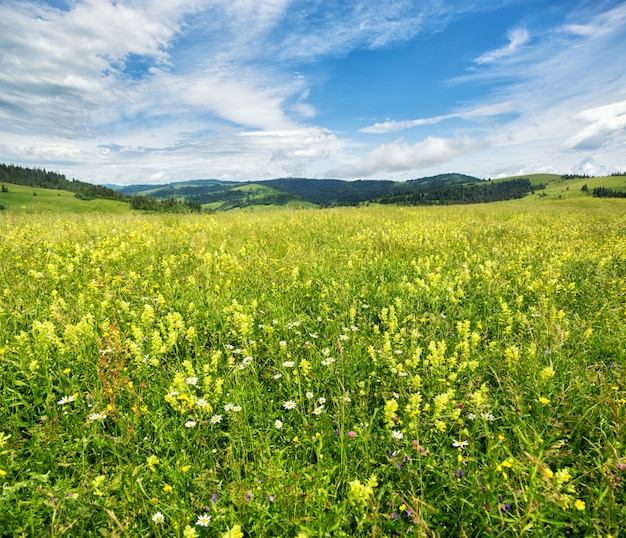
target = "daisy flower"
x: 201, y: 402
x: 97, y: 416
x: 66, y: 400
x: 289, y: 404
x: 158, y: 517
x: 318, y: 410
x: 309, y: 395
x: 459, y: 444
x: 215, y: 419
x: 397, y: 434
x: 191, y: 380
x: 278, y: 424
x: 203, y: 520
x: 289, y: 364
x: 190, y: 424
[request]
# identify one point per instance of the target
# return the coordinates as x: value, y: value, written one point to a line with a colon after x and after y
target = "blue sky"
x: 153, y: 91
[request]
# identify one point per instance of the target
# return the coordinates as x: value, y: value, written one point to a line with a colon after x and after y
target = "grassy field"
x: 374, y: 371
x: 32, y: 200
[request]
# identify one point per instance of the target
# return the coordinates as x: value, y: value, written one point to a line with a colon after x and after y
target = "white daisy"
x: 203, y: 520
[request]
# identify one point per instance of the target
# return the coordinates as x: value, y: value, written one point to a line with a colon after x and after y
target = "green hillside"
x: 23, y: 199
x: 560, y: 188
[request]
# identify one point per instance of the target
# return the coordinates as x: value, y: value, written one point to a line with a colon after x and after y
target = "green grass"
x: 32, y: 200
x: 379, y: 371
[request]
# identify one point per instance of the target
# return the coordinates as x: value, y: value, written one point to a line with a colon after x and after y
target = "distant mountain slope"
x: 339, y: 192
x: 217, y: 194
x: 195, y: 186
x: 332, y: 191
x: 441, y: 179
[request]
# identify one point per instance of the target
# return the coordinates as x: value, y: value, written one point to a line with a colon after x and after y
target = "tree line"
x: 605, y: 192
x: 464, y: 194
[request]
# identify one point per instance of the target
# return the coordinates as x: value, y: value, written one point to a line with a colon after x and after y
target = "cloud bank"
x: 129, y: 91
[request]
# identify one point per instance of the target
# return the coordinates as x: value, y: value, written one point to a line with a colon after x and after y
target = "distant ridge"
x: 322, y: 192
x: 206, y: 194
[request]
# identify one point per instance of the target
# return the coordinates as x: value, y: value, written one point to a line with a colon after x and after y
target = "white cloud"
x: 472, y: 113
x: 518, y: 37
x: 400, y: 156
x: 605, y: 122
x: 171, y: 89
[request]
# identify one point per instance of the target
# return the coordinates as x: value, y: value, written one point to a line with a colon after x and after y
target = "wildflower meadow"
x: 372, y: 371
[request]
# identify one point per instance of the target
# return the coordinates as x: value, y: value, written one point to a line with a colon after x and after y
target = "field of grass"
x: 32, y: 200
x: 374, y: 371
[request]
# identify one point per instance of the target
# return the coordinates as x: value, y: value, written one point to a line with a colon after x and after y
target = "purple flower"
x: 271, y: 498
x: 248, y: 496
x: 394, y: 516
x: 214, y: 498
x: 459, y: 473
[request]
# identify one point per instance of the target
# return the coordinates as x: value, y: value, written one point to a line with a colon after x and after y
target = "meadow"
x: 373, y: 371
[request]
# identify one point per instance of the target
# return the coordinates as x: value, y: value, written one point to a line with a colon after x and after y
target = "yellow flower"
x: 167, y: 488
x: 234, y: 532
x: 579, y: 505
x: 544, y: 400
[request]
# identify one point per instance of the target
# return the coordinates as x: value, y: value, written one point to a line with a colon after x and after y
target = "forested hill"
x: 321, y: 192
x: 30, y: 177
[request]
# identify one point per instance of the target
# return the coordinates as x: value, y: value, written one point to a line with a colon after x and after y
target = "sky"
x: 155, y: 91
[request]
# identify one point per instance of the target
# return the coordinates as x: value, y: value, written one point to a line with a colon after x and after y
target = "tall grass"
x: 350, y: 372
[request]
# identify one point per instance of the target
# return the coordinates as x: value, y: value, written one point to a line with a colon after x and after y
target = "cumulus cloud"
x: 400, y: 156
x: 518, y: 37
